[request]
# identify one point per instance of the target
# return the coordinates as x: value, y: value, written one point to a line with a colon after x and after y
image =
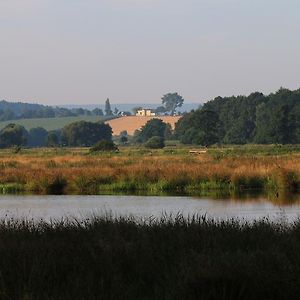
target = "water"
x: 57, y: 207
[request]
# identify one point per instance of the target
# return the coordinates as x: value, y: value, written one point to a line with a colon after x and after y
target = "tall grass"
x: 68, y: 170
x: 171, y: 258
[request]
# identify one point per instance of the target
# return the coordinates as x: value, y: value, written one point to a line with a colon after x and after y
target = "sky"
x: 135, y: 51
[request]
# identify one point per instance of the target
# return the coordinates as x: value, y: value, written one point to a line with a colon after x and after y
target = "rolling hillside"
x: 132, y: 123
x: 51, y: 123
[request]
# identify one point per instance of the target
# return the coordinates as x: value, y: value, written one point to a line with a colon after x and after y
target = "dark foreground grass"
x: 122, y: 259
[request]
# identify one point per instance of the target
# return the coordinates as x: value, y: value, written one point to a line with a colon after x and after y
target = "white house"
x: 146, y: 112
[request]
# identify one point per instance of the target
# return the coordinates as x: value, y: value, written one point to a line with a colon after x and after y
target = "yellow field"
x: 132, y: 123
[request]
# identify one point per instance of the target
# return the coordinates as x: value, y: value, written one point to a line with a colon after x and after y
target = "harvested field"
x: 132, y: 123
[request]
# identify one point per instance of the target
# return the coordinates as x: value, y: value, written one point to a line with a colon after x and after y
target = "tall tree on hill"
x: 171, y: 101
x: 108, y: 111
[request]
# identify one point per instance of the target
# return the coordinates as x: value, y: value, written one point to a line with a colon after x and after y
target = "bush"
x: 104, y: 145
x: 155, y: 142
x: 85, y: 134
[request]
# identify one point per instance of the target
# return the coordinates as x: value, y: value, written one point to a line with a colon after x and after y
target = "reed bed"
x: 150, y: 171
x: 170, y: 258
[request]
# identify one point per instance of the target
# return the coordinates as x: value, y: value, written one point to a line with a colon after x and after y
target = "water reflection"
x: 248, y: 207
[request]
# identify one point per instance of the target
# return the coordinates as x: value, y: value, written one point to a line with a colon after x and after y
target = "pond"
x: 57, y: 207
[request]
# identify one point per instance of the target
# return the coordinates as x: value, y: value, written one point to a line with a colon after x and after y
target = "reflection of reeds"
x: 159, y: 172
x: 171, y: 258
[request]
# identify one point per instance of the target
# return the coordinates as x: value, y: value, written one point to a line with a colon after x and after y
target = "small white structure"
x: 145, y: 112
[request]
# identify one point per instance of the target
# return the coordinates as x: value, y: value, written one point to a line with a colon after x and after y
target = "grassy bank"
x: 234, y: 169
x: 167, y: 259
x: 52, y: 123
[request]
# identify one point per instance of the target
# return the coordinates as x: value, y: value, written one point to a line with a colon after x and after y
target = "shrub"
x: 104, y: 145
x: 155, y: 142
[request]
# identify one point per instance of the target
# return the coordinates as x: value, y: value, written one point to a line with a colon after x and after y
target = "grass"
x: 136, y: 169
x: 171, y: 258
x: 51, y: 123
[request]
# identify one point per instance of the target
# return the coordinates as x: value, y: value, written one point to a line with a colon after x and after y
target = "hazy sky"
x: 83, y: 51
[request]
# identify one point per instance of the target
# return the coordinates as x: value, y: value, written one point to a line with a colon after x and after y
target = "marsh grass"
x: 170, y: 258
x: 135, y: 169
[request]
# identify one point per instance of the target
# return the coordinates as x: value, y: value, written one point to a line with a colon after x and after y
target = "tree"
x: 7, y: 114
x: 123, y: 139
x: 108, y: 111
x: 201, y: 127
x: 160, y: 110
x: 97, y: 112
x: 37, y: 137
x: 52, y: 139
x: 156, y: 142
x: 104, y: 145
x: 13, y: 135
x: 85, y: 134
x: 135, y: 109
x: 171, y: 101
x: 124, y: 133
x: 154, y: 127
x: 79, y: 111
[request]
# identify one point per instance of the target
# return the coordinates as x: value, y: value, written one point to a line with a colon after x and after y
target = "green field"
x: 51, y: 123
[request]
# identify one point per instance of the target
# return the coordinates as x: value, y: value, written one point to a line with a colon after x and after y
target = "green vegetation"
x: 104, y: 145
x: 85, y: 134
x: 171, y: 258
x: 153, y: 128
x: 173, y: 169
x: 171, y: 102
x: 52, y: 123
x: 77, y: 134
x: 108, y: 111
x: 156, y: 142
x: 240, y: 120
x: 37, y: 137
x: 20, y: 110
x: 13, y: 135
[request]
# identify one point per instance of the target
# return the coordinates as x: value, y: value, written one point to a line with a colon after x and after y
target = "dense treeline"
x: 78, y: 134
x: 244, y: 119
x: 19, y: 110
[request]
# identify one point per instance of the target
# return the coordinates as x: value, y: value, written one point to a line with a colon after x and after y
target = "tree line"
x: 257, y: 118
x: 14, y: 111
x: 77, y: 134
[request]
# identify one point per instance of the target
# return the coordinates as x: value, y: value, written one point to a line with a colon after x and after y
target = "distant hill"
x: 19, y: 107
x: 129, y: 106
x: 20, y: 110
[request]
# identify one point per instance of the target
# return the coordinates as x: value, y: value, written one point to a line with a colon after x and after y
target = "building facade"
x: 145, y: 112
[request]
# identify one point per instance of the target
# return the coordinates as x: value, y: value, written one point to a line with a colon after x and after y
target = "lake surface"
x: 57, y: 207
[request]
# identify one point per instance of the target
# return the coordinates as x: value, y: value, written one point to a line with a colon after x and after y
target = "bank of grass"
x: 171, y: 258
x: 53, y: 123
x: 134, y: 169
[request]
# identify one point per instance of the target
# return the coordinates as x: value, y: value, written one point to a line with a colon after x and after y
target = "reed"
x: 169, y: 258
x: 63, y: 171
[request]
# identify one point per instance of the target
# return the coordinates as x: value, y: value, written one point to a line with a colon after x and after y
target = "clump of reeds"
x: 169, y: 258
